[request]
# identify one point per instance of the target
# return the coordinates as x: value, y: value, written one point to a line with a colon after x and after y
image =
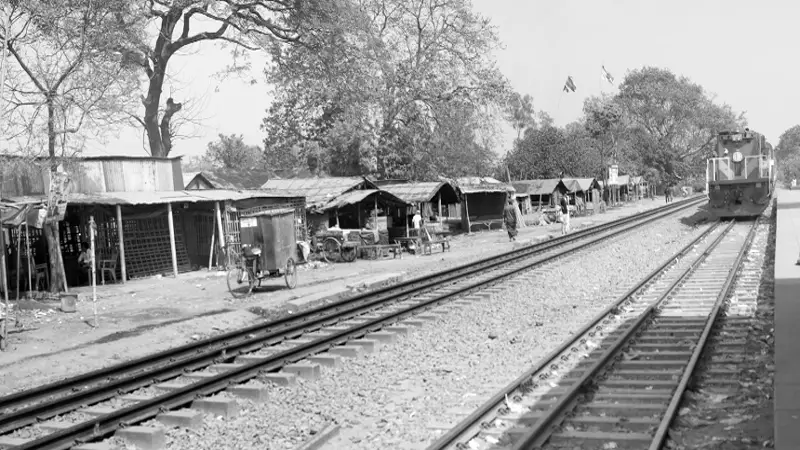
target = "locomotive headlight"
x: 737, y: 157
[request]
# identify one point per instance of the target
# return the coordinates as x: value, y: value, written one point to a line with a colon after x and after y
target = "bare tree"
x: 63, y: 83
x: 181, y: 24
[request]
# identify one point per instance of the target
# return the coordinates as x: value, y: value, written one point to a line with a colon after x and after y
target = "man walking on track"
x: 510, y: 220
x: 668, y: 194
x: 564, y: 215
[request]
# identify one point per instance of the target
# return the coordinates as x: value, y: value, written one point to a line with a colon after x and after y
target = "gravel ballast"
x: 406, y: 394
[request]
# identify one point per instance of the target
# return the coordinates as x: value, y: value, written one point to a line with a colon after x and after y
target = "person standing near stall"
x: 564, y: 216
x: 510, y: 220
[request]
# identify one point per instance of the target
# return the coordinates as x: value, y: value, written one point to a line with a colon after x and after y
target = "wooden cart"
x: 269, y: 248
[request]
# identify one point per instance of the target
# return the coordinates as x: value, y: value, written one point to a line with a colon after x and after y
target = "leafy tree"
x: 603, y: 123
x: 375, y: 100
x: 789, y: 141
x: 551, y: 152
x: 520, y: 112
x: 545, y: 120
x: 228, y: 152
x: 788, y: 153
x: 231, y: 152
x: 672, y: 121
x: 63, y: 82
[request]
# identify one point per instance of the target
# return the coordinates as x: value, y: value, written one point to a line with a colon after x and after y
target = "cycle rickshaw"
x: 269, y: 249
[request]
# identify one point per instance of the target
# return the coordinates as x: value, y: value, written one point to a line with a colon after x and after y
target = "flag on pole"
x: 569, y: 86
x: 607, y: 75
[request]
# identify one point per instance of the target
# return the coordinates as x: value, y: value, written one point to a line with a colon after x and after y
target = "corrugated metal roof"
x: 154, y: 198
x: 473, y: 185
x: 271, y: 212
x: 353, y: 197
x: 317, y: 191
x: 478, y: 180
x: 421, y: 192
x: 539, y: 187
x: 580, y: 184
x: 15, y: 215
x: 233, y: 179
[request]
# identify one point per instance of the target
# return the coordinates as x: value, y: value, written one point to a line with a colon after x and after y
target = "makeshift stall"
x: 362, y: 221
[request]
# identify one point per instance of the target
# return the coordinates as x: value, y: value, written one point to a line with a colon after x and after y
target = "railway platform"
x: 787, y: 318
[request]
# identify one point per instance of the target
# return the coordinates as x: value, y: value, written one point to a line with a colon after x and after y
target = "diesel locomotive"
x: 740, y: 178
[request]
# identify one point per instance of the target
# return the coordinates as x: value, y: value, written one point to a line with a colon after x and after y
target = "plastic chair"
x: 109, y: 265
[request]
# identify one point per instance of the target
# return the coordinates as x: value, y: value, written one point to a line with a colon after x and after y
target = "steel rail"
x: 141, y: 411
x: 540, y: 431
x: 471, y: 425
x: 677, y: 396
x: 410, y: 287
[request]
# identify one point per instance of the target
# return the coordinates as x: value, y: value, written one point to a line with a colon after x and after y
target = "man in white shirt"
x: 417, y: 220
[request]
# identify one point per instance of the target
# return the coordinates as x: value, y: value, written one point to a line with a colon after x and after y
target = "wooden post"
x: 121, y: 236
x: 211, y: 252
x: 376, y: 215
x: 61, y: 259
x: 28, y: 252
x: 171, y: 223
x: 19, y: 249
x: 218, y: 214
x: 440, y: 208
x: 406, y: 219
x: 6, y: 312
x: 92, y: 232
x: 466, y: 210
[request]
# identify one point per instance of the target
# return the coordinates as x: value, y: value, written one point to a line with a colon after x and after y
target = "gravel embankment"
x: 395, y: 398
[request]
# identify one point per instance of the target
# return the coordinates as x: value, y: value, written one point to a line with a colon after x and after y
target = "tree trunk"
x: 53, y: 248
x: 151, y: 102
x: 166, y: 120
x: 51, y: 229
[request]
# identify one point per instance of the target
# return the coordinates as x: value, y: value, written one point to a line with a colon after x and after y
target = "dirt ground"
x: 149, y: 315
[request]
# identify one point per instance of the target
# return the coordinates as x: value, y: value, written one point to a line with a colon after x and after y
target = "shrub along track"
x: 618, y: 383
x: 276, y: 345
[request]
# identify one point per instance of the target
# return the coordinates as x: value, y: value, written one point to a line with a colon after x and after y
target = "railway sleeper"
x: 655, y: 374
x: 593, y: 439
x: 655, y: 356
x: 616, y: 409
x: 612, y: 424
x: 695, y: 321
x: 645, y: 347
x: 607, y: 395
x: 639, y: 384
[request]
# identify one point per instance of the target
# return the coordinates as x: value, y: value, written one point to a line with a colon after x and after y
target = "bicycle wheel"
x: 331, y: 249
x: 240, y: 281
x: 349, y: 254
x: 291, y: 274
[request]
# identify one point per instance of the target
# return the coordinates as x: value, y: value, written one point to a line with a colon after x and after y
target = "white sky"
x: 740, y: 50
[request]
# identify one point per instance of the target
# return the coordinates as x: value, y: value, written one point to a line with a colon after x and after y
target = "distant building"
x: 234, y: 179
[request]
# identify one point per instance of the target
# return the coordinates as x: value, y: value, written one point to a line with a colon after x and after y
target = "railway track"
x: 139, y: 390
x: 618, y: 382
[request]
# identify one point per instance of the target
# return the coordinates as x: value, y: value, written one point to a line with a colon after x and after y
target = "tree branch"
x: 26, y: 69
